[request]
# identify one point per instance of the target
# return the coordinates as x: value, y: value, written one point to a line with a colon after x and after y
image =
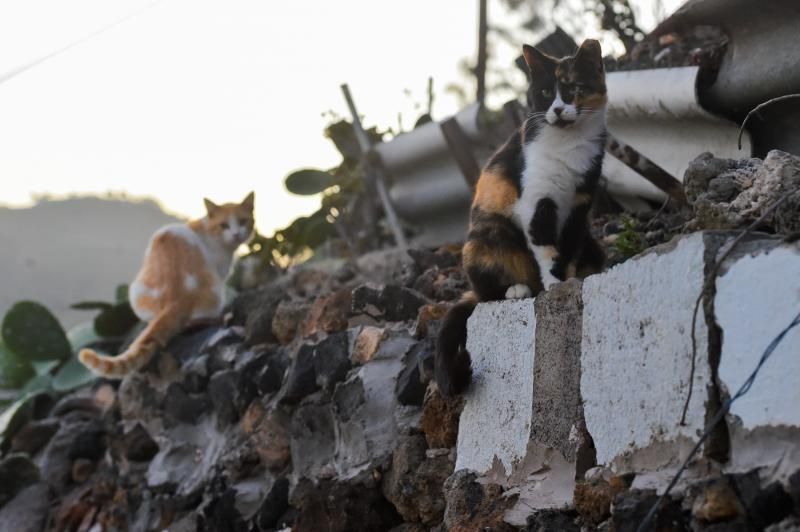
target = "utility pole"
x: 480, y: 68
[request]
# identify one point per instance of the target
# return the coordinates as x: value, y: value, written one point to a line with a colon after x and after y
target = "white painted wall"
x: 756, y: 298
x: 496, y: 420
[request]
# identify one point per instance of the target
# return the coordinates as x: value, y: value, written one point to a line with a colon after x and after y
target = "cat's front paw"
x: 548, y: 280
x: 518, y: 291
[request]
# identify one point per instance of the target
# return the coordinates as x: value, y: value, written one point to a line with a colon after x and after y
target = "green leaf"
x: 91, y: 305
x: 122, y: 293
x: 15, y: 416
x: 40, y: 383
x: 316, y: 230
x: 72, y: 375
x: 308, y: 182
x: 82, y: 335
x: 43, y: 367
x: 14, y: 372
x: 115, y: 321
x: 33, y: 333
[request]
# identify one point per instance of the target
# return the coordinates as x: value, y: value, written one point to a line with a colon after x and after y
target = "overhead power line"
x: 14, y: 72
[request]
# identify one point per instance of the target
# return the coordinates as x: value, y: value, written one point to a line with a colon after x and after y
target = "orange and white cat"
x: 181, y: 281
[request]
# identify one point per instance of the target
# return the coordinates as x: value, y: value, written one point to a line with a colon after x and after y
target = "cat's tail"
x: 453, y: 366
x: 158, y: 332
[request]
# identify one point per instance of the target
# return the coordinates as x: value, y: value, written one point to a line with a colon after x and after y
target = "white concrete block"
x: 636, y: 350
x: 756, y: 298
x: 496, y: 420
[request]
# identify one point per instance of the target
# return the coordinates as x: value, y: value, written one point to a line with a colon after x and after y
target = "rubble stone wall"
x: 629, y: 345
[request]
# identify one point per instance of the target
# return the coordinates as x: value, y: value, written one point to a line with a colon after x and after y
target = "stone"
x: 425, y: 352
x: 195, y: 374
x: 428, y: 319
x: 17, y: 472
x: 630, y: 508
x: 274, y: 506
x: 309, y: 281
x: 138, y: 398
x: 332, y: 360
x: 187, y: 459
x: 793, y: 485
x: 731, y: 193
x: 414, y: 482
x: 779, y: 175
x: 716, y: 502
x: 367, y: 342
x: 301, y: 378
x: 409, y: 389
x: 391, y: 302
x: 188, y: 345
x: 356, y: 505
x: 138, y: 444
x: 763, y: 505
x: 28, y: 511
x: 313, y: 439
x: 69, y: 443
x: 288, y: 320
x: 226, y: 397
x: 34, y: 435
x: 255, y: 310
x: 89, y: 444
x: 269, y: 431
x: 221, y: 514
x: 182, y: 407
x: 472, y: 505
x: 440, y: 418
x: 790, y: 524
x: 553, y: 521
x: 425, y: 259
x: 593, y: 498
x: 329, y: 313
x: 634, y: 386
x: 706, y: 169
x: 263, y: 374
x: 82, y: 469
x: 348, y: 397
x: 366, y: 428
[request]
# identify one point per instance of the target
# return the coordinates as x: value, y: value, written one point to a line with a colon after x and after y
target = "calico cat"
x: 181, y: 281
x: 529, y: 223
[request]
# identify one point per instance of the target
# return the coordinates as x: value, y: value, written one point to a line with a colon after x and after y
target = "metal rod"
x: 374, y: 172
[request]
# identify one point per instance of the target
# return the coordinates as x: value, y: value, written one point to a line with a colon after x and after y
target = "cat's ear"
x: 591, y: 54
x: 211, y: 207
x: 249, y: 201
x: 539, y: 63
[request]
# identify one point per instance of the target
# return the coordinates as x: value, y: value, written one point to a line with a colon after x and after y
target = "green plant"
x: 32, y: 333
x: 36, y: 354
x: 629, y: 241
x: 341, y: 224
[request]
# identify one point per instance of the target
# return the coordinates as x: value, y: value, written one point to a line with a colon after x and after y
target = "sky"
x: 186, y: 99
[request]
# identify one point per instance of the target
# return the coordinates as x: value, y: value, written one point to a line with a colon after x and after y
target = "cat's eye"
x: 244, y: 221
x: 547, y: 93
x: 224, y: 226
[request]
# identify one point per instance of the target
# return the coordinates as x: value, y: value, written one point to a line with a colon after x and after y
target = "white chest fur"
x: 555, y: 163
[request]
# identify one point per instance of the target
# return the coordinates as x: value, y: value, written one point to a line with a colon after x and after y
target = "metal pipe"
x: 374, y: 173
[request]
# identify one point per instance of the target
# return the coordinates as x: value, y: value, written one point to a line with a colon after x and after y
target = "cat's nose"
x: 558, y: 110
